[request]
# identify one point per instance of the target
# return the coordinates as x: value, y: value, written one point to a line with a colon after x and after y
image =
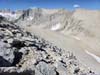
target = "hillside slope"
x: 23, y: 53
x: 76, y: 31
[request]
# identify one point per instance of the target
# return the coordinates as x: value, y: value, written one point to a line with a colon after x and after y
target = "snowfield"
x: 56, y: 27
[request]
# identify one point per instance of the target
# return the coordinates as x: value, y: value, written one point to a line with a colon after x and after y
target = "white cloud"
x: 76, y: 6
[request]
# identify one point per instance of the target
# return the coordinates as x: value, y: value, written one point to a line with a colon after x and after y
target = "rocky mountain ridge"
x: 68, y: 22
x: 83, y: 25
x: 22, y: 53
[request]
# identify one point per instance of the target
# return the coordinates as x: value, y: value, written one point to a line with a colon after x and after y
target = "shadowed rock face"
x: 23, y: 53
x: 22, y: 73
x: 17, y: 44
x: 17, y: 58
x: 4, y: 63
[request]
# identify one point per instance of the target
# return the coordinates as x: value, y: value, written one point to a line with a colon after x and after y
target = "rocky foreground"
x: 22, y: 53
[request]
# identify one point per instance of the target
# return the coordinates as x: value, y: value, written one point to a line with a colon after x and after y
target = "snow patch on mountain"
x: 56, y: 27
x: 77, y: 38
x: 30, y: 18
x: 94, y: 56
x: 8, y: 15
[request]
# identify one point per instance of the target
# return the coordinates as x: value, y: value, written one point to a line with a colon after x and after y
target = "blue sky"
x: 68, y: 4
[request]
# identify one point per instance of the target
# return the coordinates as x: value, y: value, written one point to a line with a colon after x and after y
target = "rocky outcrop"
x: 10, y: 15
x: 23, y: 53
x: 44, y: 18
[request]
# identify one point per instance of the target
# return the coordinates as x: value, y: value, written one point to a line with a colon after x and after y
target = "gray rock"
x: 6, y: 53
x: 61, y: 69
x: 45, y: 69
